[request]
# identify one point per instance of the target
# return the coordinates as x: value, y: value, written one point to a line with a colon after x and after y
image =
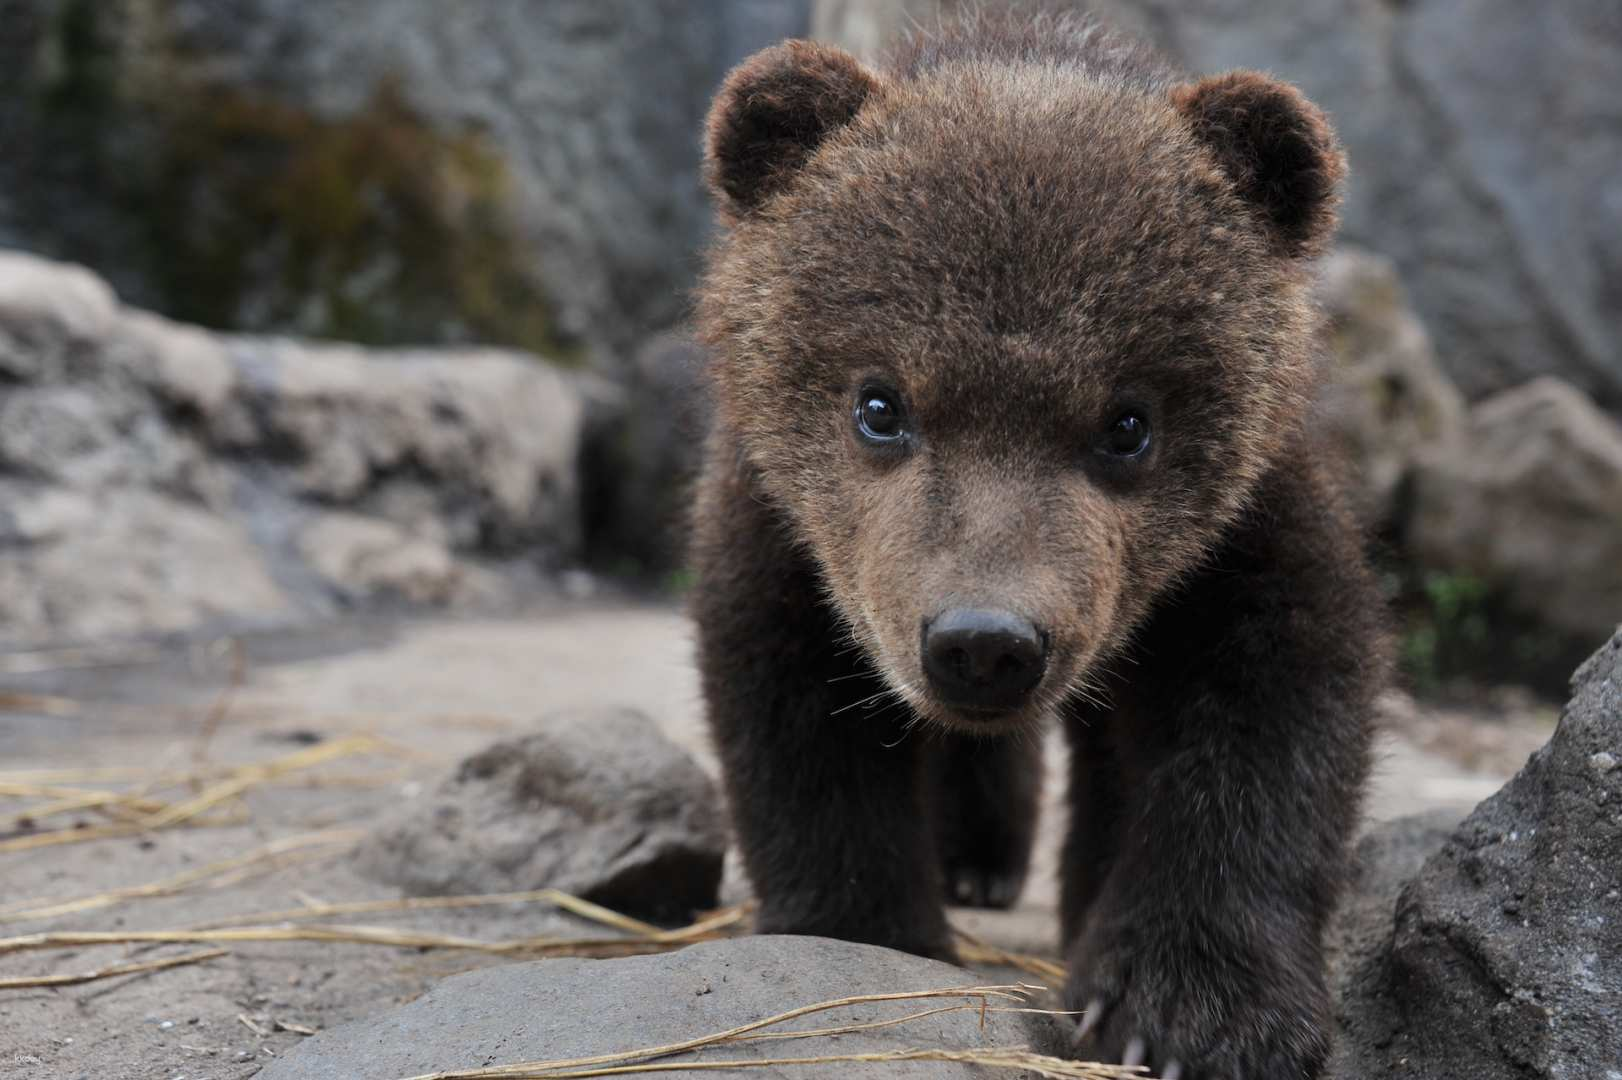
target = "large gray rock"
x: 1530, y: 501
x: 1505, y: 960
x: 403, y: 171
x: 1386, y: 399
x: 155, y: 477
x: 556, y: 1009
x: 369, y: 559
x: 1483, y: 140
x: 1386, y: 858
x: 596, y: 803
x: 122, y: 564
x: 652, y: 454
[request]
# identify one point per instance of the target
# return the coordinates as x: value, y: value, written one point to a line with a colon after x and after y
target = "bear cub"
x: 1012, y: 351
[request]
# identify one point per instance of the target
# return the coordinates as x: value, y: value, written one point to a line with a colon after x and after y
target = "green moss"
x: 372, y: 227
x: 247, y: 212
x: 679, y: 582
x: 1457, y: 628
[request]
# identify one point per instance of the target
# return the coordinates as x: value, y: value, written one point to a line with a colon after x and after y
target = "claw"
x: 1090, y: 1018
x: 1136, y: 1051
x: 1172, y: 1071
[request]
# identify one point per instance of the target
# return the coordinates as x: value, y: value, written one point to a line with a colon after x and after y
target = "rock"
x: 367, y: 560
x: 596, y: 803
x: 1386, y: 399
x: 125, y: 563
x: 1386, y: 858
x: 476, y: 446
x: 647, y: 456
x: 511, y: 173
x: 552, y: 1009
x: 1515, y: 266
x: 162, y: 478
x: 45, y: 311
x: 1505, y: 960
x: 1530, y: 501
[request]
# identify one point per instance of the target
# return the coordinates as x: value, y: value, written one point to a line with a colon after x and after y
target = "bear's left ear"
x: 772, y: 113
x: 1277, y: 148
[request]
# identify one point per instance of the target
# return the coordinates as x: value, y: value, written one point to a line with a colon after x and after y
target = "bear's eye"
x: 1128, y: 435
x: 878, y: 416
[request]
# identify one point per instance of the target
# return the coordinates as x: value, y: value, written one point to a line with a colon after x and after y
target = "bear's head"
x: 1011, y: 343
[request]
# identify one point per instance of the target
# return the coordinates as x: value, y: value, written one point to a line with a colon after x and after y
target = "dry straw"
x: 138, y: 813
x: 42, y: 704
x: 969, y: 999
x: 642, y: 937
x: 214, y: 875
x: 972, y: 950
x: 135, y: 968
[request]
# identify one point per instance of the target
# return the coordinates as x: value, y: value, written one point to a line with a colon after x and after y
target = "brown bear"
x: 1012, y: 356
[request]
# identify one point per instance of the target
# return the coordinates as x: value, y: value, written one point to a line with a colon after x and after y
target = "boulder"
x: 1497, y: 196
x: 1530, y: 501
x: 1386, y: 399
x: 403, y: 172
x: 648, y: 454
x: 125, y: 563
x: 1386, y: 858
x: 553, y: 1009
x: 156, y: 477
x: 1505, y: 957
x: 368, y: 560
x: 596, y: 803
x: 476, y: 448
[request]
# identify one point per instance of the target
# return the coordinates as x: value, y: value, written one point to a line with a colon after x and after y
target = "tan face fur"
x: 1018, y: 252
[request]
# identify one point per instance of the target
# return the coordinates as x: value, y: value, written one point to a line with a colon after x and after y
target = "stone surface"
x: 499, y: 171
x: 554, y: 1009
x: 368, y: 560
x: 1386, y: 858
x: 125, y: 563
x: 1530, y: 501
x: 1387, y: 399
x: 1483, y: 141
x: 475, y: 448
x: 598, y: 803
x: 1505, y: 960
x: 157, y: 477
x: 654, y: 453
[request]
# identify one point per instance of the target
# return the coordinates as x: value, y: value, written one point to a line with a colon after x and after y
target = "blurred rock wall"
x: 155, y: 477
x: 410, y: 171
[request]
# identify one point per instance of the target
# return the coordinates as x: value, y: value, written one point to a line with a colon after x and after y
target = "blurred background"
x: 309, y: 310
x: 347, y: 416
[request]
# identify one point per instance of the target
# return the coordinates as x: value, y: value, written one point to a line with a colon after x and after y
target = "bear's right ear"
x: 772, y: 113
x: 1277, y: 148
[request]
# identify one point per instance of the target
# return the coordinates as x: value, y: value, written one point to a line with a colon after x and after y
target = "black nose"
x: 980, y: 659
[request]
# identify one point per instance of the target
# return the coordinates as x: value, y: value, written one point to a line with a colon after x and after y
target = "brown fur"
x: 1021, y: 234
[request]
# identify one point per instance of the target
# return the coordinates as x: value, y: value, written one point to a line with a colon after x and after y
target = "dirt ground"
x: 427, y: 693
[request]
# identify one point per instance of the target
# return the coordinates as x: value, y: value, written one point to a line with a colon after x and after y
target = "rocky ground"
x: 432, y: 693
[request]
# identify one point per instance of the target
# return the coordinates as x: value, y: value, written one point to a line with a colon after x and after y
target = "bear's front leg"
x: 826, y: 787
x: 1201, y: 955
x: 1241, y: 740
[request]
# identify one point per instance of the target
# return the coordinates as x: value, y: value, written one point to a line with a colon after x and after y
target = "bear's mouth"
x: 1032, y: 710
